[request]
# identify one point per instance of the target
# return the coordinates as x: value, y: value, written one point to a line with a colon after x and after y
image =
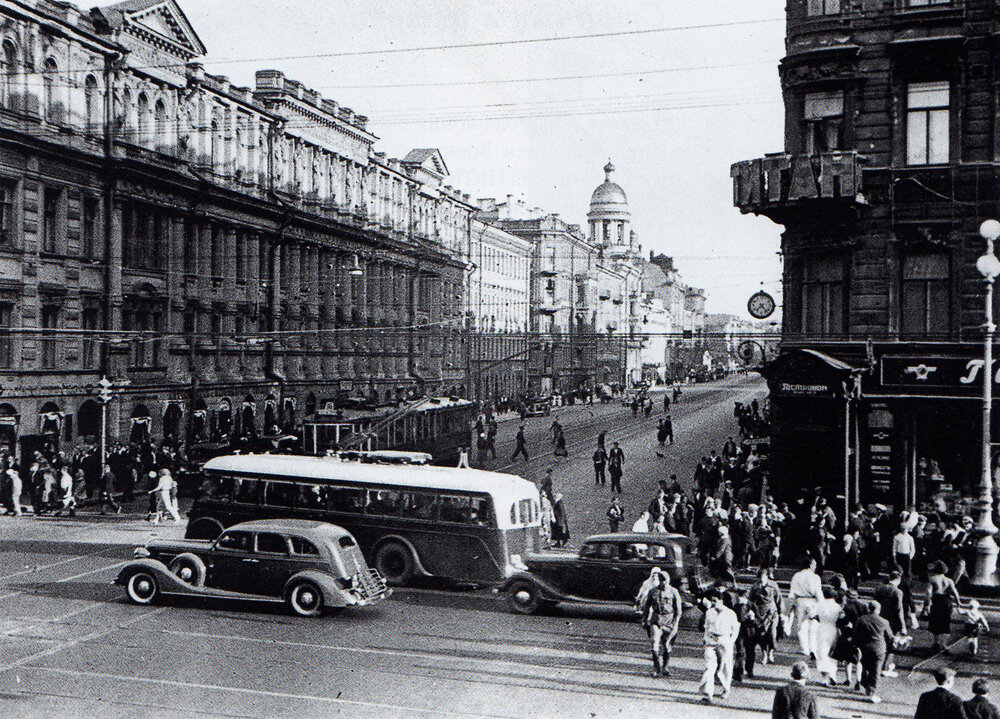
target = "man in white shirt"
x: 904, y: 549
x: 806, y: 589
x: 721, y: 630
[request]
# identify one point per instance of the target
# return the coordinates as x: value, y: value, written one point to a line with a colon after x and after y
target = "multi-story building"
x: 230, y: 257
x: 685, y: 305
x: 497, y: 310
x: 890, y: 165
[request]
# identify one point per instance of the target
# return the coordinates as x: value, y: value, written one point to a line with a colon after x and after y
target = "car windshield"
x: 599, y: 550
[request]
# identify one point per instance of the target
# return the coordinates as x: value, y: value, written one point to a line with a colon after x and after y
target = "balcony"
x: 779, y: 186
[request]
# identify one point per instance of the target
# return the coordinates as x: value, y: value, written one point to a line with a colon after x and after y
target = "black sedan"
x: 608, y: 568
x: 311, y: 566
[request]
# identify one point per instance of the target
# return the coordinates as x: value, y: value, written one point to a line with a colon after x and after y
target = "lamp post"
x: 985, y: 567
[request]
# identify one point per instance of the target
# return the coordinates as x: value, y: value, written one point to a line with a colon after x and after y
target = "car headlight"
x: 140, y: 553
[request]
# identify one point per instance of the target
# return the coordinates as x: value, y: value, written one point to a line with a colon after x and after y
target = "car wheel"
x: 189, y: 568
x: 142, y: 588
x: 394, y: 562
x: 204, y: 528
x: 305, y: 599
x: 524, y: 598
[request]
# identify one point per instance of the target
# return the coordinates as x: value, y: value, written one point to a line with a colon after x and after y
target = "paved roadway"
x: 71, y: 647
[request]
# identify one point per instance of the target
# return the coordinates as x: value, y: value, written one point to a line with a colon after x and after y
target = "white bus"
x: 465, y: 525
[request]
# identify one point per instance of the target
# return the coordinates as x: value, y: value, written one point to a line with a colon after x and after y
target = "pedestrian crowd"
x: 56, y: 483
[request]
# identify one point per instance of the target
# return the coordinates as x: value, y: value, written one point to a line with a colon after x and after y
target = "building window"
x: 161, y: 128
x: 89, y: 323
x: 240, y: 252
x: 215, y: 145
x: 823, y: 296
x: 7, y: 193
x: 50, y: 77
x: 50, y: 323
x: 217, y: 240
x: 927, y: 120
x: 144, y: 318
x: 142, y: 119
x: 925, y: 3
x: 823, y: 122
x: 6, y: 341
x: 91, y: 207
x: 926, y: 295
x: 8, y: 75
x: 190, y: 247
x: 823, y: 7
x: 91, y: 106
x: 52, y: 198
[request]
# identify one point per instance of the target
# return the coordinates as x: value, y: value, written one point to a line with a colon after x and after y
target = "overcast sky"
x: 671, y: 120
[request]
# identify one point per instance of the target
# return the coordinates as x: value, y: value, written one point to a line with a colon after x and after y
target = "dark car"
x: 307, y: 564
x: 608, y: 568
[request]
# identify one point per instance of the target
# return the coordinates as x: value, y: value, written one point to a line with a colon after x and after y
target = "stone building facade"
x: 223, y: 254
x: 891, y: 157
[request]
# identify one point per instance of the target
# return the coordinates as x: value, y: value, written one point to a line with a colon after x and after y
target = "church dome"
x: 609, y: 198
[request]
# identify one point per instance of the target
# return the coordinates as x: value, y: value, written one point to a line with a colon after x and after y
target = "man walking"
x: 721, y: 630
x: 794, y: 701
x: 616, y: 459
x: 668, y: 429
x: 873, y: 637
x: 979, y: 707
x: 615, y: 514
x: 805, y: 591
x: 661, y: 615
x: 890, y: 599
x: 519, y: 442
x: 941, y: 703
x: 600, y: 461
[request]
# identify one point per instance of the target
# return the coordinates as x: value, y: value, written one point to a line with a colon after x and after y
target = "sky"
x: 672, y: 109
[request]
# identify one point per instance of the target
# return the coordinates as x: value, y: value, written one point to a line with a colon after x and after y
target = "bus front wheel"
x: 394, y: 562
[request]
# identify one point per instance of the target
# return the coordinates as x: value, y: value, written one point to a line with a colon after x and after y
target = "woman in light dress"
x: 825, y: 614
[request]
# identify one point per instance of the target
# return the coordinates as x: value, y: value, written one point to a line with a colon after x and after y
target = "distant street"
x: 702, y: 419
x: 72, y: 647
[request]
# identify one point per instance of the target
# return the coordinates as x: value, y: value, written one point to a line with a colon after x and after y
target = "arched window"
x: 142, y: 118
x: 91, y: 106
x: 8, y: 71
x: 161, y: 129
x: 49, y: 77
x: 125, y: 116
x: 214, y: 145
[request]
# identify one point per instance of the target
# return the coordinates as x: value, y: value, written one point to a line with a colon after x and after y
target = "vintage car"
x: 608, y: 568
x: 537, y: 407
x: 309, y: 565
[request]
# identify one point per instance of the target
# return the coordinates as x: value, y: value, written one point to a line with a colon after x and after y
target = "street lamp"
x: 985, y: 566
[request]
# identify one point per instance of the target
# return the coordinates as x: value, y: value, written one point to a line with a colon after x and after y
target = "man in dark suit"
x: 979, y: 707
x: 890, y: 599
x: 794, y: 701
x: 941, y: 703
x: 872, y: 637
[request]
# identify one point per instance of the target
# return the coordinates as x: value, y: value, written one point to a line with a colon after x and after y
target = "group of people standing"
x: 59, y: 484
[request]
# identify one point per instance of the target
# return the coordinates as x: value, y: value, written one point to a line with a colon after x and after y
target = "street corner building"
x: 230, y: 258
x: 891, y: 163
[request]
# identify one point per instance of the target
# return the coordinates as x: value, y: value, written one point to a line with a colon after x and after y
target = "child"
x: 975, y: 624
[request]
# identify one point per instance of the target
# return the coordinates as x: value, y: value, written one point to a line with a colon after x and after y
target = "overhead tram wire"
x: 551, y: 78
x: 457, y: 46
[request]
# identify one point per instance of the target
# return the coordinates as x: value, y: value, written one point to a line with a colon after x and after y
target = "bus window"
x: 309, y: 497
x: 383, y: 501
x: 220, y: 488
x: 279, y: 494
x: 419, y: 505
x: 344, y: 499
x: 465, y: 510
x: 246, y: 491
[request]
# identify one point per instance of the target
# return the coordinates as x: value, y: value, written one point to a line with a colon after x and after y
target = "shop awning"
x: 800, y: 370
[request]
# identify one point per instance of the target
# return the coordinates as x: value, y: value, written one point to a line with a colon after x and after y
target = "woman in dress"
x: 546, y: 528
x: 825, y: 615
x: 560, y: 525
x: 942, y: 595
